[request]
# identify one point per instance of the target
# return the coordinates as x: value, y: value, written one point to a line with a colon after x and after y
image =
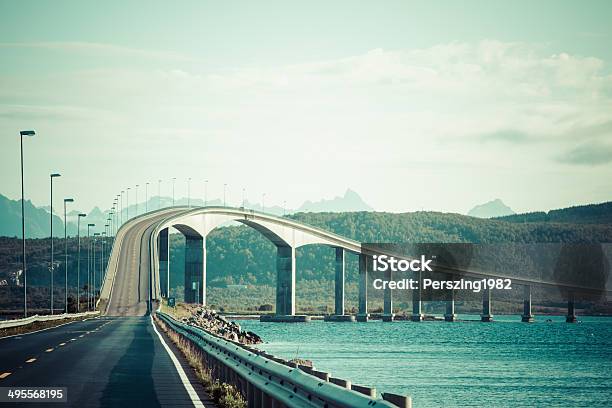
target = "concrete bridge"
x: 139, y: 266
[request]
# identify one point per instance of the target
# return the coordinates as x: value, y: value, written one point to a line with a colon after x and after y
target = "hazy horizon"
x: 410, y: 104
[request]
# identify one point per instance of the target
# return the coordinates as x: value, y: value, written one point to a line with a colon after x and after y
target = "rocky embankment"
x: 214, y: 323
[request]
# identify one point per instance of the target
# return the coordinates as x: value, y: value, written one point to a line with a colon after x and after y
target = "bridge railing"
x: 5, y: 324
x: 266, y: 382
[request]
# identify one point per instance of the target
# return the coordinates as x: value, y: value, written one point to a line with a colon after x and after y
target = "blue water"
x: 501, y: 364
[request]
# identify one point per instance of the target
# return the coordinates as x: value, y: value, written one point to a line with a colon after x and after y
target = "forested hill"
x: 239, y: 254
x: 583, y: 214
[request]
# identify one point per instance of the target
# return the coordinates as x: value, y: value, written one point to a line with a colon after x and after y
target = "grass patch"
x: 225, y: 395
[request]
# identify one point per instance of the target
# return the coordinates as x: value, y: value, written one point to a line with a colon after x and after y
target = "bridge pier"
x: 164, y: 262
x: 340, y: 275
x: 388, y: 315
x: 486, y: 315
x: 417, y: 312
x: 571, y: 311
x: 195, y: 286
x: 363, y: 315
x: 285, y: 280
x: 450, y: 315
x: 527, y: 317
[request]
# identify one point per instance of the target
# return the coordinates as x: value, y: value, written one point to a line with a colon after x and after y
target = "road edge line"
x: 186, y: 383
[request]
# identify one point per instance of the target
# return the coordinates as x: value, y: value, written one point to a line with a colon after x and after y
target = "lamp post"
x: 23, y: 245
x: 284, y: 207
x: 243, y: 197
x: 189, y: 192
x: 263, y: 202
x: 79, y: 260
x: 173, y: 180
x: 89, y: 267
x: 121, y: 207
x: 224, y: 188
x: 136, y: 200
x: 147, y: 197
x: 127, y: 204
x: 158, y: 194
x: 93, y: 264
x: 66, y: 200
x: 51, y: 177
x: 205, y: 193
x: 102, y: 263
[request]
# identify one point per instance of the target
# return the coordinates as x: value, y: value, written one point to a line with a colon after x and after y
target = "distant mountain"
x: 37, y: 220
x: 350, y: 202
x: 583, y: 214
x: 495, y: 208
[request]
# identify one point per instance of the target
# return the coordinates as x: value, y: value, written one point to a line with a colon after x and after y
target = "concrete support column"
x: 340, y: 275
x: 363, y: 315
x: 285, y: 280
x: 571, y: 311
x: 486, y: 315
x: 164, y: 262
x: 527, y: 317
x: 417, y: 313
x: 194, y: 269
x: 450, y: 315
x: 388, y: 299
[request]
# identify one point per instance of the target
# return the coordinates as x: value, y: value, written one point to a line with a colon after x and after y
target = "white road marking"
x: 31, y: 360
x: 4, y: 375
x: 186, y: 383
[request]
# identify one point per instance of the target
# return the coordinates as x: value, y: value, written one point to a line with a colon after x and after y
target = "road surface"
x: 118, y: 360
x: 108, y: 362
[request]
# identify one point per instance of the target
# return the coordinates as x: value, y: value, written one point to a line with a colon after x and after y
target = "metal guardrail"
x: 266, y: 382
x: 6, y: 324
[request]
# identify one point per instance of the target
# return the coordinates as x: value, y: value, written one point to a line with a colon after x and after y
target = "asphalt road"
x: 118, y: 360
x: 107, y: 362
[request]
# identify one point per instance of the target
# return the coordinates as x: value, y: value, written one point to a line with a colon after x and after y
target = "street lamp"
x: 79, y: 260
x: 173, y: 180
x: 159, y: 194
x: 224, y: 188
x: 121, y: 206
x: 88, y: 267
x: 137, y: 200
x: 147, y: 197
x: 243, y: 197
x: 93, y: 264
x: 205, y: 193
x: 66, y: 200
x: 284, y: 208
x: 51, y: 177
x: 263, y: 202
x: 127, y: 204
x: 23, y: 245
x: 189, y: 192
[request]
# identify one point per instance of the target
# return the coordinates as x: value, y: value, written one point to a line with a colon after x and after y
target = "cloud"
x: 99, y: 49
x: 588, y: 155
x: 506, y: 135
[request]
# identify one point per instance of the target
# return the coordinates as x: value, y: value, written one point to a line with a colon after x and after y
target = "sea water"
x: 505, y: 363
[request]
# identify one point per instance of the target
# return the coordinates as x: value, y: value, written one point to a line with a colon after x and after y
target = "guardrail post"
x: 266, y: 401
x: 402, y: 401
x: 370, y: 392
x: 340, y: 382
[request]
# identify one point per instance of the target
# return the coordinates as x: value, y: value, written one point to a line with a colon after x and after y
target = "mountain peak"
x: 494, y: 208
x: 351, y: 201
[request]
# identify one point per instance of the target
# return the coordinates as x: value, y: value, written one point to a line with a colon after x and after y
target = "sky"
x: 415, y: 105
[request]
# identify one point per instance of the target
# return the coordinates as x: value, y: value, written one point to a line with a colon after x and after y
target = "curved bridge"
x: 139, y: 269
x: 139, y: 264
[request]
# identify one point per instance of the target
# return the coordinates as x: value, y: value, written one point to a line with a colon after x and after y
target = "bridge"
x: 139, y: 267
